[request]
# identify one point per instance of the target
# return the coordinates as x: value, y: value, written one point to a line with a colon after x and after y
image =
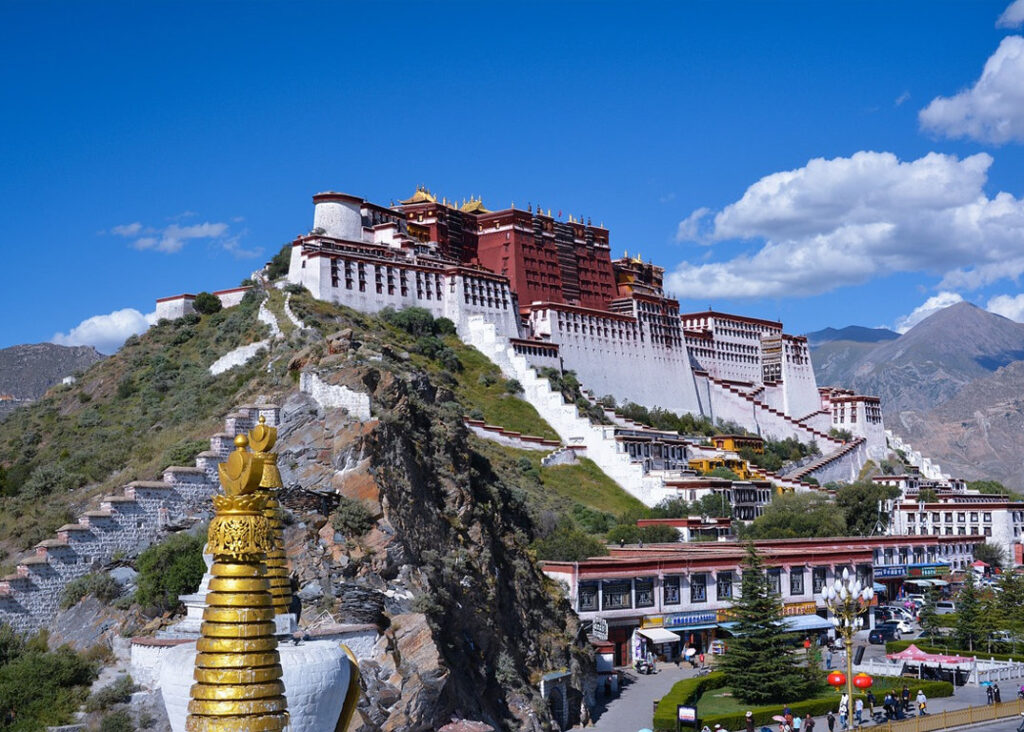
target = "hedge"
x: 950, y: 650
x: 690, y: 690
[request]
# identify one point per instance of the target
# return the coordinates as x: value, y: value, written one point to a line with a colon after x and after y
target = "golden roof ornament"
x: 238, y: 668
x: 422, y: 195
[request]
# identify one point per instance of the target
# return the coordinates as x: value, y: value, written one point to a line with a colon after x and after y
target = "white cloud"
x: 127, y: 229
x: 1013, y: 16
x: 1009, y: 306
x: 993, y: 109
x: 173, y: 237
x: 930, y: 306
x: 845, y: 221
x: 690, y: 228
x: 107, y: 332
x: 901, y: 98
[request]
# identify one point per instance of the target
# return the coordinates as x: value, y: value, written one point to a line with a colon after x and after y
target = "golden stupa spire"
x: 262, y: 440
x: 238, y: 668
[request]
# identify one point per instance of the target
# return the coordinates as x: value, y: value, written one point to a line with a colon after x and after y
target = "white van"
x: 945, y: 607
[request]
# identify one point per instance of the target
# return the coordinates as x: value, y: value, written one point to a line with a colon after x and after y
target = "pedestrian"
x: 922, y: 702
x: 808, y: 723
x: 828, y: 659
x: 702, y: 659
x: 750, y: 722
x: 906, y: 698
x: 998, y: 698
x: 844, y: 712
x: 870, y: 699
x: 831, y: 719
x: 990, y: 695
x: 796, y: 724
x: 787, y: 713
x: 858, y: 710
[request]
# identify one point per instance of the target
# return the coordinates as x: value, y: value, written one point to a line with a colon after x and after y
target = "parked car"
x: 884, y: 633
x: 945, y: 607
x: 896, y: 612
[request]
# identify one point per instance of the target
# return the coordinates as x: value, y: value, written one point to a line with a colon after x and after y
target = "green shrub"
x: 278, y: 266
x: 512, y: 386
x: 207, y: 303
x: 351, y: 517
x: 119, y: 721
x: 119, y: 692
x: 184, y: 453
x: 414, y: 321
x: 168, y: 569
x: 100, y: 585
x: 42, y: 688
x: 568, y: 544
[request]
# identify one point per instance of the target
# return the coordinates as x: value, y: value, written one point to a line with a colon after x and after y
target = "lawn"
x: 481, y: 386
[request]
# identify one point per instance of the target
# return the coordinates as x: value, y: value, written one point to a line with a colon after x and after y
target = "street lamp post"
x: 847, y: 601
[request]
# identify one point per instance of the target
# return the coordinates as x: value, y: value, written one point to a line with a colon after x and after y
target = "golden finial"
x: 240, y: 474
x: 263, y: 439
x: 238, y: 668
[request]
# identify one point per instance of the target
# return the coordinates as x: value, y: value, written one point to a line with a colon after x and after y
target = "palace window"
x: 796, y: 580
x: 617, y: 594
x: 818, y: 575
x: 775, y: 581
x: 587, y: 597
x: 724, y: 585
x: 698, y: 588
x: 670, y: 591
x: 644, y: 592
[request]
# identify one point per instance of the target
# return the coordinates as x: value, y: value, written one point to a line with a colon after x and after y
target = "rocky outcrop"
x: 467, y: 619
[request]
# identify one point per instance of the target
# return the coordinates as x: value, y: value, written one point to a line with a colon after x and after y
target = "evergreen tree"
x: 968, y: 609
x: 928, y: 617
x: 760, y: 665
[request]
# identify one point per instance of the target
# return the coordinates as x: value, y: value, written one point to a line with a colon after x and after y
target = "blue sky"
x: 821, y: 163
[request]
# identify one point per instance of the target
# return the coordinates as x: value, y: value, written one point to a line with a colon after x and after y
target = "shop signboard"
x: 894, y: 571
x: 652, y: 621
x: 600, y: 629
x: 682, y: 620
x: 929, y: 570
x: 800, y: 608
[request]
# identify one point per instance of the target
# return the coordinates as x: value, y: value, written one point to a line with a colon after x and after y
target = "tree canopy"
x: 760, y: 661
x: 859, y: 504
x: 796, y: 515
x: 207, y: 303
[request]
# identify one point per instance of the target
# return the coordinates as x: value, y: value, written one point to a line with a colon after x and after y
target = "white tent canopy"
x: 658, y: 635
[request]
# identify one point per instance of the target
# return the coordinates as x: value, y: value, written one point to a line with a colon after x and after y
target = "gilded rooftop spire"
x: 238, y: 668
x: 262, y: 439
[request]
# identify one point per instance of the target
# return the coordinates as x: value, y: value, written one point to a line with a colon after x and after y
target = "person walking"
x: 828, y: 660
x: 858, y: 711
x: 831, y: 719
x: 922, y: 703
x: 844, y: 712
x: 808, y: 723
x: 870, y: 699
x: 906, y: 698
x: 889, y: 704
x: 796, y: 724
x: 990, y: 695
x: 995, y: 693
x: 750, y: 722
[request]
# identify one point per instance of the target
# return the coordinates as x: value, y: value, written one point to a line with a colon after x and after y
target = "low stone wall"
x: 334, y: 396
x: 507, y: 437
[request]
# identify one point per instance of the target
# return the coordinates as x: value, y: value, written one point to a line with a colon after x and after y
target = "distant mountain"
x: 26, y: 372
x: 853, y: 333
x: 950, y: 385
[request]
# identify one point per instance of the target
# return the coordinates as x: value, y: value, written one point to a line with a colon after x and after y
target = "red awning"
x: 913, y: 653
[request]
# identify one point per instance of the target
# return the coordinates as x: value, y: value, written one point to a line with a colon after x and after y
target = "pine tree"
x: 968, y: 609
x: 759, y: 664
x: 928, y: 617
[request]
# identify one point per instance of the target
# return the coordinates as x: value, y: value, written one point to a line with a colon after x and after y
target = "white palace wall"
x: 614, y: 355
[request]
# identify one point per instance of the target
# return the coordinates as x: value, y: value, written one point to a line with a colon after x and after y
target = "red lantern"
x: 862, y: 681
x: 836, y: 679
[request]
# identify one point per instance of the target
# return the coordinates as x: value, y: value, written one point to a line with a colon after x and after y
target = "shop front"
x: 695, y: 629
x: 892, y: 577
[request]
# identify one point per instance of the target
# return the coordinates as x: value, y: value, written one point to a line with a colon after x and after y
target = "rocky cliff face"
x: 469, y: 623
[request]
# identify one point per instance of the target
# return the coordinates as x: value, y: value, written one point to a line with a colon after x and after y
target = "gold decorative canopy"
x: 238, y: 668
x: 474, y: 205
x: 422, y: 195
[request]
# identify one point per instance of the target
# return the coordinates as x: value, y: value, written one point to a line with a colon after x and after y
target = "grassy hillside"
x: 152, y: 404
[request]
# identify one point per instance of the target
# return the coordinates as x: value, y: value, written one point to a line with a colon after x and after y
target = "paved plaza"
x: 633, y: 708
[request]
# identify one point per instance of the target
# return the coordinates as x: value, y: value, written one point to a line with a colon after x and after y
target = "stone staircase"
x: 775, y: 423
x: 573, y: 429
x: 122, y: 526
